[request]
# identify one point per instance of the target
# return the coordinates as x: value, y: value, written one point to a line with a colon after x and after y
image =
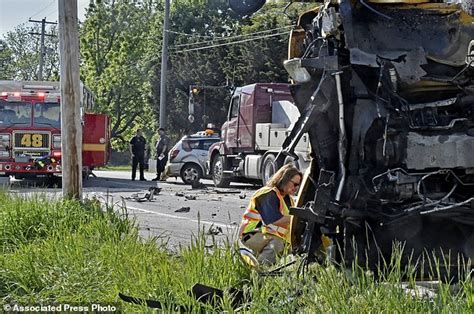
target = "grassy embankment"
x: 116, y: 168
x: 63, y: 252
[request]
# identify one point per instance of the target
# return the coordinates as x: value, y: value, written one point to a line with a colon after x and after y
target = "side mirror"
x: 246, y: 7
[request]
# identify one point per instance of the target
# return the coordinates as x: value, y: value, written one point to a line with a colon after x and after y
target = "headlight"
x: 4, y: 143
x: 57, y: 141
x: 5, y: 139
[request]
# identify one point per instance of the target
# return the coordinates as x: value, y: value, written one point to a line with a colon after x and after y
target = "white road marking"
x: 207, y: 222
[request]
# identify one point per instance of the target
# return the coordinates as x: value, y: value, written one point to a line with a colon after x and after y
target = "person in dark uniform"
x: 137, y: 150
x: 162, y: 149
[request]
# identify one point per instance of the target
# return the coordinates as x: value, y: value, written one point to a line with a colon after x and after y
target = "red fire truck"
x: 30, y: 130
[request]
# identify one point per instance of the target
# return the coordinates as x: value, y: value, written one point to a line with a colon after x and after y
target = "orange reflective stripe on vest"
x: 252, y: 218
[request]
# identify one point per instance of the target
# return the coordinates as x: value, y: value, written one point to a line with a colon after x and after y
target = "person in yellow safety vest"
x: 265, y: 226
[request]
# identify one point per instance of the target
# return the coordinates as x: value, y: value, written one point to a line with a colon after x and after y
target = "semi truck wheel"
x: 190, y: 172
x: 268, y: 168
x: 217, y: 168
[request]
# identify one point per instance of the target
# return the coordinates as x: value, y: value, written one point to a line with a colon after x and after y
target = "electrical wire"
x: 53, y: 12
x: 189, y: 35
x: 232, y: 37
x: 229, y: 43
x: 44, y: 8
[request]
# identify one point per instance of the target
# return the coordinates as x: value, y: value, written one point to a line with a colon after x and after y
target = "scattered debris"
x: 141, y: 197
x: 226, y: 191
x: 155, y: 190
x: 214, y: 214
x: 183, y: 210
x: 179, y: 194
x: 198, y: 185
x: 243, y: 206
x: 216, y: 199
x: 242, y: 196
x: 190, y: 197
x: 419, y: 292
x: 214, y: 230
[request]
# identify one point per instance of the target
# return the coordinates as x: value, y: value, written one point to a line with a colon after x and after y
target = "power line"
x: 232, y: 37
x: 44, y: 8
x: 230, y: 43
x: 55, y: 12
x: 190, y: 35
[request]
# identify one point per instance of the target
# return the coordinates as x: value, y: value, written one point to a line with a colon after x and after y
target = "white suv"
x: 187, y: 159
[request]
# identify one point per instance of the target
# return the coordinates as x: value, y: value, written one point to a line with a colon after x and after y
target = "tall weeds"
x: 57, y: 251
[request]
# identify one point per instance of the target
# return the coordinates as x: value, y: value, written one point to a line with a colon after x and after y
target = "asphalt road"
x: 174, y: 216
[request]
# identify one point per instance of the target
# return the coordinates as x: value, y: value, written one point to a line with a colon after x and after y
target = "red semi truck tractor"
x: 260, y: 117
x: 30, y: 130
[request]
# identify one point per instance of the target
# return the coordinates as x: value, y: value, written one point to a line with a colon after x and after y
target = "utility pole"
x: 42, y: 48
x: 164, y: 64
x: 71, y: 128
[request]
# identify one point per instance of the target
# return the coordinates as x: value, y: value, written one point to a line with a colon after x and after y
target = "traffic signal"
x: 195, y: 90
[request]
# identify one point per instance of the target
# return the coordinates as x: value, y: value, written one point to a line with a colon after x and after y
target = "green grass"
x: 117, y: 168
x: 65, y: 252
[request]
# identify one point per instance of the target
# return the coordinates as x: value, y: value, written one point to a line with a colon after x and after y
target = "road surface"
x: 175, y: 215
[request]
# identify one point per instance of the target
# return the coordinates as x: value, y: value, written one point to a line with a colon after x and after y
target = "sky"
x: 16, y: 12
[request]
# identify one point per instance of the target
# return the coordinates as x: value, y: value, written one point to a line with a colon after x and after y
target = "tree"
x: 121, y: 42
x: 19, y: 54
x: 224, y: 61
x: 114, y: 40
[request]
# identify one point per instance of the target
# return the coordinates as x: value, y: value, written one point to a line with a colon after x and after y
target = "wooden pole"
x: 71, y: 128
x: 164, y: 66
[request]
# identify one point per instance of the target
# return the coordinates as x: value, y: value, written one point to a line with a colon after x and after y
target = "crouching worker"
x: 265, y: 226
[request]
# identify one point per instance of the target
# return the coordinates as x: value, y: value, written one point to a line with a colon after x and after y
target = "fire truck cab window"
x: 15, y: 113
x: 47, y: 114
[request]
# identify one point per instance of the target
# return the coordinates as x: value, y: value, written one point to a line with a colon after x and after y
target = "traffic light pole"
x: 194, y: 90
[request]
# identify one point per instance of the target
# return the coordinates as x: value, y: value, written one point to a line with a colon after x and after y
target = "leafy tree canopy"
x: 19, y: 54
x: 121, y: 46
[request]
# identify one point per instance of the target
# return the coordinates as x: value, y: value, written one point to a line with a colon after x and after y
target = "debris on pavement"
x: 242, y: 196
x: 198, y: 185
x: 190, y: 197
x: 155, y: 190
x: 183, y: 210
x: 214, y: 230
x: 216, y: 199
x: 226, y: 191
x: 179, y: 194
x: 140, y: 197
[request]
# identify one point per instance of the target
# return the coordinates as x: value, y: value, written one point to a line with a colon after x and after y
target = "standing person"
x: 162, y: 149
x: 137, y: 151
x: 265, y: 226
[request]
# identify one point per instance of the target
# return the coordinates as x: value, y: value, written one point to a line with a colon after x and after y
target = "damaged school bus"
x: 386, y: 92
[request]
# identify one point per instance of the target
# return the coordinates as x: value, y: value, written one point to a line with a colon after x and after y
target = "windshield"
x: 47, y: 114
x: 14, y: 113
